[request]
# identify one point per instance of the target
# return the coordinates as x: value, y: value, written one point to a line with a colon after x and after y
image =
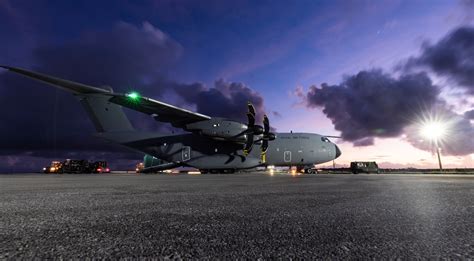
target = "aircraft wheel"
x: 204, y: 171
x: 214, y: 171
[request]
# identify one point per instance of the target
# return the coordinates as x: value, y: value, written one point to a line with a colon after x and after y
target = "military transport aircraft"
x: 212, y: 144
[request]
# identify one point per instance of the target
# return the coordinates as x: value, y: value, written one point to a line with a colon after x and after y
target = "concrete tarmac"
x: 236, y: 216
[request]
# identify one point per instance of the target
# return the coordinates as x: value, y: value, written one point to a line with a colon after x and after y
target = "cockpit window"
x: 324, y: 139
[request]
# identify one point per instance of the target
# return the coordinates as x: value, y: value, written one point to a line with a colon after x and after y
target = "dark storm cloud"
x: 373, y: 104
x: 469, y: 115
x: 452, y: 56
x: 123, y: 58
x: 38, y: 117
x: 225, y: 99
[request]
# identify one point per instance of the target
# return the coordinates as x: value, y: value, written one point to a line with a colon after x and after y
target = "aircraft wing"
x: 160, y: 111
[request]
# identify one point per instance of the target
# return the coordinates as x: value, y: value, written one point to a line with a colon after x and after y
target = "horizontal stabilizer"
x: 77, y: 88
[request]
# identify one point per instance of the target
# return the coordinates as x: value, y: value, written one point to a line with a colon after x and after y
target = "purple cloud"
x: 225, y: 99
x: 373, y: 104
x: 452, y: 56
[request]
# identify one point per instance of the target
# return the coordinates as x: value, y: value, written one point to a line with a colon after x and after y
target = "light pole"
x: 439, y: 159
x: 435, y: 131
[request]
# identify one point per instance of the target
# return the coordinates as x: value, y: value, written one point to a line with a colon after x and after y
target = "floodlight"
x: 433, y: 130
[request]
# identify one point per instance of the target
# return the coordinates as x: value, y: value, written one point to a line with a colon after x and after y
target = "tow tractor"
x: 100, y: 167
x: 77, y: 166
x: 55, y: 167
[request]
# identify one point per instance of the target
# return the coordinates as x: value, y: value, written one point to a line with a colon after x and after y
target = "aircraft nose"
x: 338, y: 151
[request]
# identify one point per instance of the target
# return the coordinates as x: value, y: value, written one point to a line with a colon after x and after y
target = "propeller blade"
x: 266, y: 124
x: 264, y: 146
x: 251, y: 120
x: 248, y: 144
x: 253, y: 129
x: 251, y: 109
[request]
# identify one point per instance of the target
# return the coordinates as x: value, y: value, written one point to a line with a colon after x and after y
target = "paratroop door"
x: 287, y: 156
x: 186, y: 153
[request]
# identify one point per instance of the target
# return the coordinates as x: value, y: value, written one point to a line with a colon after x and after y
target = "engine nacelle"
x: 219, y: 129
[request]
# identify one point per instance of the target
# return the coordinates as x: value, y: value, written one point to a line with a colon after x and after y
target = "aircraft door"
x: 186, y: 153
x: 287, y: 156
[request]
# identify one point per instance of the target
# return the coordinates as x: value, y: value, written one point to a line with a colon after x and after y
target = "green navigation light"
x: 133, y: 95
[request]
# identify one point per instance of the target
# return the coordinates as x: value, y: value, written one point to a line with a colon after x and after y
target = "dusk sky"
x: 368, y: 71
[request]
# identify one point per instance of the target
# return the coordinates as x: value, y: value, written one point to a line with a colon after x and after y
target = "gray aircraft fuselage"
x: 288, y: 149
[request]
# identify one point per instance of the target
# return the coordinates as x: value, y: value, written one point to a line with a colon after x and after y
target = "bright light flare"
x: 434, y: 130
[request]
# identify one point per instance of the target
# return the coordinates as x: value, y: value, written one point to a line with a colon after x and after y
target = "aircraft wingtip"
x: 5, y: 67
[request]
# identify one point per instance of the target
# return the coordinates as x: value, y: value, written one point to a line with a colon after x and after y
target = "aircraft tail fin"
x: 105, y: 115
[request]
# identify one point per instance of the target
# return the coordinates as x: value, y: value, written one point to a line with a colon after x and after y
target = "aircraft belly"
x: 199, y: 153
x: 223, y: 161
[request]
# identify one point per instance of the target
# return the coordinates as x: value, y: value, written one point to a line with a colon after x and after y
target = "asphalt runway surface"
x: 236, y: 216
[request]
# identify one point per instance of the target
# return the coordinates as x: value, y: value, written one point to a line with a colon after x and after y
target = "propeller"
x: 267, y: 136
x: 253, y: 129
